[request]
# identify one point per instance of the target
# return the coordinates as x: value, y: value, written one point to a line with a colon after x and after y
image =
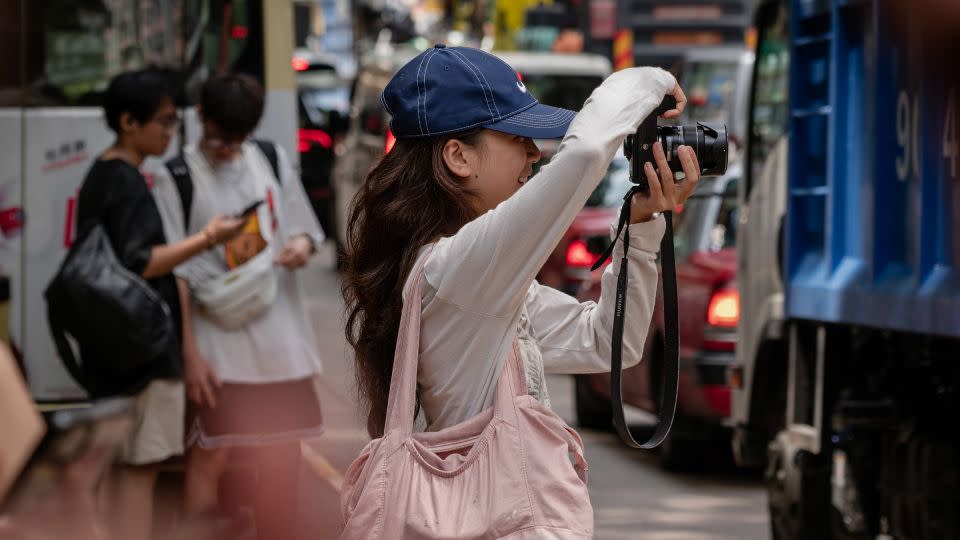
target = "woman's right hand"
x: 681, y: 98
x: 199, y: 378
x: 223, y: 228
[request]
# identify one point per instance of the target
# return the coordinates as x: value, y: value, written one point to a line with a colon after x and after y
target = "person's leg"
x: 201, y: 479
x: 277, y: 497
x: 126, y: 508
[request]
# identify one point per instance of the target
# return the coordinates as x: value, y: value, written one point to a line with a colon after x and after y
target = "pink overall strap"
x: 511, y: 383
x: 403, y: 381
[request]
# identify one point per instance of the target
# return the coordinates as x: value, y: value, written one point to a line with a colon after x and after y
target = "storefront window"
x: 74, y: 47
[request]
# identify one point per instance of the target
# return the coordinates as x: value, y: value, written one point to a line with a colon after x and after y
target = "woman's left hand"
x: 666, y: 193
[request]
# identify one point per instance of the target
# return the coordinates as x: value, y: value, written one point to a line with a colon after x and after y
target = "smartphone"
x: 74, y: 432
x: 250, y: 209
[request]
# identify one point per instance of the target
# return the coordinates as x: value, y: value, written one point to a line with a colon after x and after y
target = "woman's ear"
x: 462, y: 159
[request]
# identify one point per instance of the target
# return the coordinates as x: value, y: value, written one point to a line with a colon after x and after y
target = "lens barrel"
x: 709, y: 142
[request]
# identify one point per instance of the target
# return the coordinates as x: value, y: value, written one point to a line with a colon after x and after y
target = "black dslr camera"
x: 709, y: 142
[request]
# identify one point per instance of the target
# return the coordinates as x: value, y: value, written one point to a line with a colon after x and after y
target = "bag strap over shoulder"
x: 403, y: 381
x: 270, y: 152
x: 180, y: 173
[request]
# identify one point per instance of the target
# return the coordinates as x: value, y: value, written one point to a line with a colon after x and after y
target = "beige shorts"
x: 158, y: 428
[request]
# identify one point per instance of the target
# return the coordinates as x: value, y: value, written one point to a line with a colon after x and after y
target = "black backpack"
x: 181, y: 176
x: 123, y: 327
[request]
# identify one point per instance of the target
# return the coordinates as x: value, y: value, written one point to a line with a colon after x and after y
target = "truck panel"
x: 873, y: 227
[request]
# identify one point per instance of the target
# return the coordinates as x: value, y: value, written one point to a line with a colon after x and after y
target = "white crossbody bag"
x: 238, y: 296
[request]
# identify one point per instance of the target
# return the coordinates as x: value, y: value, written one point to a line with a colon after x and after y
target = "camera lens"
x: 709, y: 143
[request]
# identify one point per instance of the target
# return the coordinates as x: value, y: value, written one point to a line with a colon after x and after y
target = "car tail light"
x: 307, y: 137
x: 391, y: 140
x: 300, y: 64
x: 718, y: 397
x: 724, y: 308
x: 578, y: 255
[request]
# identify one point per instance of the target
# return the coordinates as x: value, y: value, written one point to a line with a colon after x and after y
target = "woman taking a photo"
x: 452, y: 211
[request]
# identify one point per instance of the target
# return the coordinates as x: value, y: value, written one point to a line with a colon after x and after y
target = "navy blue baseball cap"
x: 452, y: 89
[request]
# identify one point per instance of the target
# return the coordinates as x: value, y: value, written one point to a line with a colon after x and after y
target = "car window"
x: 324, y: 107
x: 723, y: 234
x: 613, y: 186
x: 708, y: 220
x: 686, y: 226
x: 770, y: 77
x: 709, y: 87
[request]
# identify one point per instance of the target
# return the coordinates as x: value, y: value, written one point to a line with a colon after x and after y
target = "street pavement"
x: 632, y: 497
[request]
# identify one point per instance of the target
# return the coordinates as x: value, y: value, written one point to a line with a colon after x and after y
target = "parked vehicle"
x: 708, y: 302
x: 866, y: 446
x: 323, y: 110
x: 759, y: 376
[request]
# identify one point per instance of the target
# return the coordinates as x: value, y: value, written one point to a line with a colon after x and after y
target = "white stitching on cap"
x: 526, y: 119
x: 420, y: 65
x: 486, y: 98
x: 426, y: 118
x: 553, y: 114
x: 535, y: 124
x: 498, y: 116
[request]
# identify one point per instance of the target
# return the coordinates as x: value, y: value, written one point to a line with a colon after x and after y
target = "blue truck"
x: 847, y: 380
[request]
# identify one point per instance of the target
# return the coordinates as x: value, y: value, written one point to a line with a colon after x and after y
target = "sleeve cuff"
x: 644, y: 236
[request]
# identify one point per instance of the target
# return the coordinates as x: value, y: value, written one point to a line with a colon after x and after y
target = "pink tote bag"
x: 514, y: 471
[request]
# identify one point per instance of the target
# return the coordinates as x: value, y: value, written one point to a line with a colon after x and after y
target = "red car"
x: 709, y: 302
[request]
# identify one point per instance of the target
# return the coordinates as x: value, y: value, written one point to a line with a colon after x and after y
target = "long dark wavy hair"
x: 408, y: 200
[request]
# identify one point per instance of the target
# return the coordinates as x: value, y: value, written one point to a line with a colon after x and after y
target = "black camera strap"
x: 668, y: 392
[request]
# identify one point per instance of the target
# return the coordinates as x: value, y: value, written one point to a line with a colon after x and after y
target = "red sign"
x: 603, y: 19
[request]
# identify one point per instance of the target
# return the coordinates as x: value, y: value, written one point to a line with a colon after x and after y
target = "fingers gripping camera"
x: 709, y: 143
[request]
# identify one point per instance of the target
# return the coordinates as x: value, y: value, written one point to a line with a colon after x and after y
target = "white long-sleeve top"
x: 480, y: 291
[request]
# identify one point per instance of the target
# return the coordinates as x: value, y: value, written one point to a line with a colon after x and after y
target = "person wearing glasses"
x: 139, y: 108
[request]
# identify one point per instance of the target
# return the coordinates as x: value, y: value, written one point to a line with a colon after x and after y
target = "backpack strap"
x: 181, y: 178
x: 270, y: 152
